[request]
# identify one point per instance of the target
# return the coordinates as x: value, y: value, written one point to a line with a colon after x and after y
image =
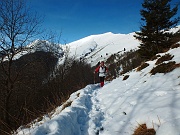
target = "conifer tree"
x: 158, y: 18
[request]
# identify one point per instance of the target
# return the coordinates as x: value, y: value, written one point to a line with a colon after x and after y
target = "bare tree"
x: 18, y: 26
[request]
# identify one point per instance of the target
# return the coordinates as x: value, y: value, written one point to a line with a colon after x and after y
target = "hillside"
x: 95, y: 48
x: 145, y: 97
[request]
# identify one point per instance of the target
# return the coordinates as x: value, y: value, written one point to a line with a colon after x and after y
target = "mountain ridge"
x: 102, y: 45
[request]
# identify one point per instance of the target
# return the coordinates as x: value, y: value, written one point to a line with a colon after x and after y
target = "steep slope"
x: 95, y: 48
x: 120, y: 106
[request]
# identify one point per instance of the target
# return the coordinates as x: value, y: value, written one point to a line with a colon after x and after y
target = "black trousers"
x: 101, y: 79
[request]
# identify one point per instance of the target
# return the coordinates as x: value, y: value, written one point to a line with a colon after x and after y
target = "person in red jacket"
x: 101, y: 69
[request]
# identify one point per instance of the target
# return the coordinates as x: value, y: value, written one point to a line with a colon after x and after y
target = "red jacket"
x: 101, y: 70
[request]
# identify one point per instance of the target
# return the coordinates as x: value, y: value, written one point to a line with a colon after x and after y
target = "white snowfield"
x: 120, y: 106
x: 96, y: 48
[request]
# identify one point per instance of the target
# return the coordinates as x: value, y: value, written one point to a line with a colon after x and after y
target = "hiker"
x: 101, y: 69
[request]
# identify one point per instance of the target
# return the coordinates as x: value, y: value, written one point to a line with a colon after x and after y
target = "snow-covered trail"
x: 96, y: 114
x: 83, y: 117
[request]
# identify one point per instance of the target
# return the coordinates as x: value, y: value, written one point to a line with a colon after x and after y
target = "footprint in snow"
x: 160, y: 93
x: 133, y: 103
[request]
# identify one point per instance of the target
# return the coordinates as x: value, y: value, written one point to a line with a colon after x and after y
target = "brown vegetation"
x: 67, y: 104
x: 125, y: 77
x: 175, y: 46
x: 124, y: 62
x: 143, y: 130
x: 155, y: 57
x: 164, y: 67
x: 142, y: 66
x: 166, y: 57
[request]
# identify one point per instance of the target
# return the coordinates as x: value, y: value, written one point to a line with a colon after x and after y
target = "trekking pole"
x: 94, y: 78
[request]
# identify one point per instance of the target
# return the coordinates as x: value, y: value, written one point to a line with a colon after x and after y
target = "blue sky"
x: 77, y: 19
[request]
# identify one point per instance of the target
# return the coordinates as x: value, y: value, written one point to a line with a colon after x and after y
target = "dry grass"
x: 109, y: 78
x: 175, y: 46
x: 155, y: 57
x: 164, y: 67
x: 164, y: 50
x: 78, y: 94
x: 143, y: 130
x: 142, y: 66
x: 67, y: 104
x: 166, y: 57
x: 126, y: 77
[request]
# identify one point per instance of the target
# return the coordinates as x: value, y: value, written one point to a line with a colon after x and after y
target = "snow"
x: 120, y: 106
x: 96, y: 48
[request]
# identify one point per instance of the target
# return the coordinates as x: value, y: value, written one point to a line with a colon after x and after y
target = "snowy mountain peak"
x: 95, y: 48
